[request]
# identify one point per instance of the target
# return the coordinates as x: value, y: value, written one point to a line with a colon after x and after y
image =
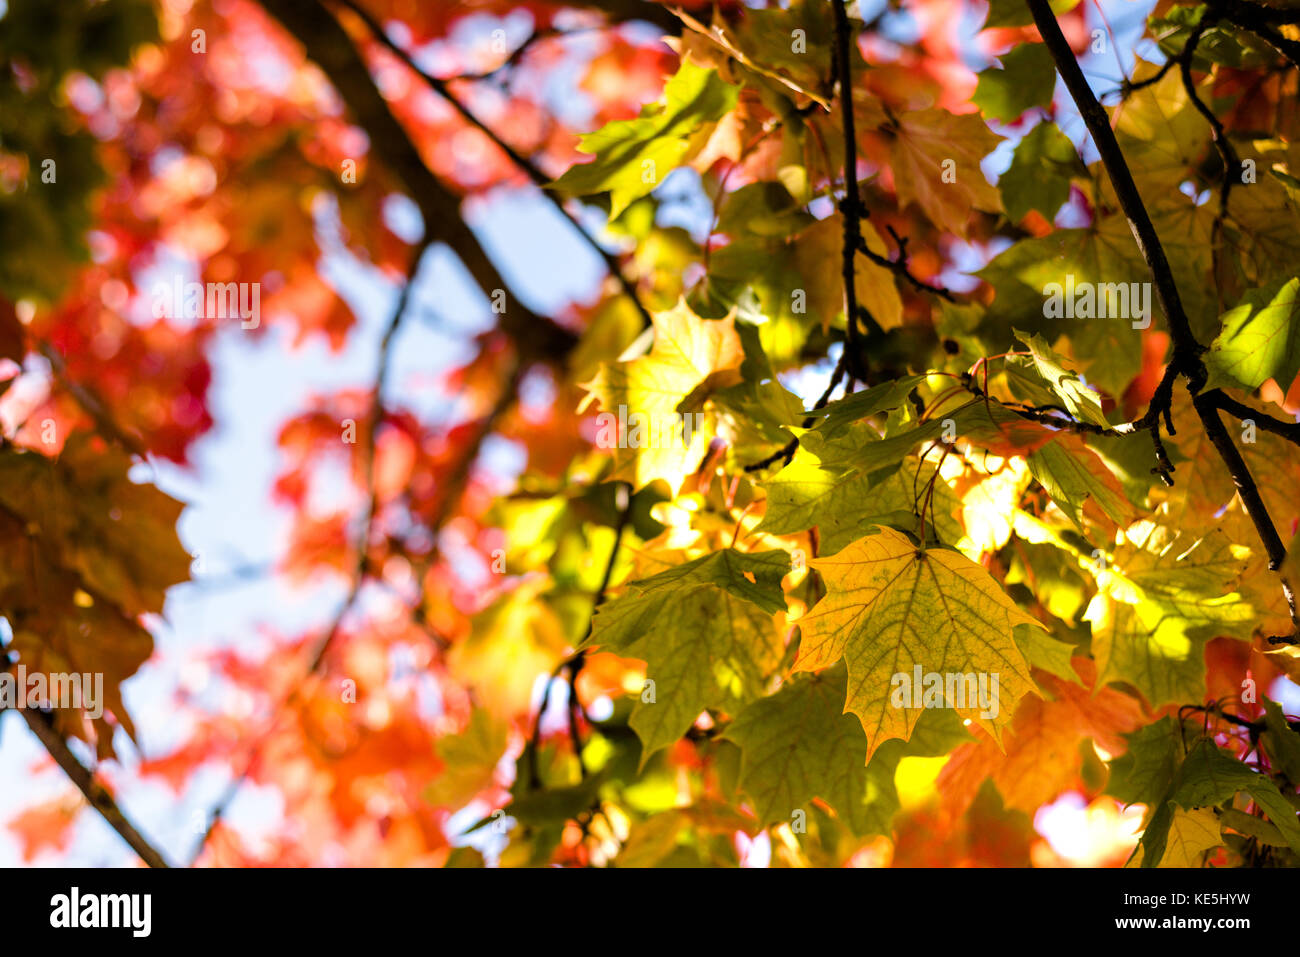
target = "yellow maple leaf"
x: 891, y: 608
x: 1191, y: 834
x: 512, y: 641
x: 652, y: 420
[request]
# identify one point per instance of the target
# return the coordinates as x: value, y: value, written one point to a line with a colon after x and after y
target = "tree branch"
x: 539, y: 179
x: 851, y: 207
x: 96, y: 795
x: 1186, y: 359
x: 1239, y: 410
x: 328, y: 45
x: 1261, y: 20
x: 91, y: 404
x: 362, y: 546
x: 575, y: 661
x: 1187, y: 351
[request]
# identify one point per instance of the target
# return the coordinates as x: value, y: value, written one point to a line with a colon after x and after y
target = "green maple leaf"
x: 1101, y: 254
x: 840, y: 414
x: 1078, y: 398
x: 799, y: 744
x: 891, y: 606
x: 1050, y: 654
x: 705, y: 632
x: 756, y: 411
x: 791, y: 262
x: 1071, y: 473
x: 1025, y: 80
x: 1163, y: 596
x: 1281, y: 741
x: 1158, y: 131
x: 1042, y: 166
x: 635, y: 156
x: 841, y: 502
x: 764, y: 34
x: 1232, y: 48
x: 1207, y: 777
x: 1260, y: 339
x: 1144, y: 772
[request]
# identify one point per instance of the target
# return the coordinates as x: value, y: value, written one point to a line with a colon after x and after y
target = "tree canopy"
x: 919, y: 459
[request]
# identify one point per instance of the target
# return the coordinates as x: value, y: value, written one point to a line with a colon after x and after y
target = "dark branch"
x: 1187, y: 351
x: 1186, y: 360
x: 898, y: 266
x: 96, y: 794
x: 1239, y: 410
x: 573, y: 664
x: 521, y: 162
x: 328, y: 45
x: 851, y: 207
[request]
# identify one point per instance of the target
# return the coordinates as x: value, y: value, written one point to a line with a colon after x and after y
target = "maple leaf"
x: 1164, y: 772
x: 512, y: 640
x: 754, y: 414
x: 470, y: 759
x: 1072, y: 474
x: 799, y: 744
x: 48, y: 827
x: 1157, y: 127
x: 86, y: 552
x: 791, y: 264
x: 891, y: 607
x: 664, y: 839
x: 1042, y: 166
x: 1041, y: 757
x: 635, y: 156
x: 936, y: 162
x: 1162, y: 596
x: 1101, y: 254
x: 841, y: 502
x: 1191, y: 834
x: 1281, y: 741
x: 1024, y: 81
x: 1259, y: 340
x: 884, y: 397
x: 1074, y: 394
x: 706, y: 632
x: 691, y: 358
x: 1143, y: 590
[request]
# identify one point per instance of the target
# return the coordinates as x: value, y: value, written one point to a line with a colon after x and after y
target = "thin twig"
x: 525, y: 165
x: 361, y: 570
x: 574, y: 662
x: 96, y: 795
